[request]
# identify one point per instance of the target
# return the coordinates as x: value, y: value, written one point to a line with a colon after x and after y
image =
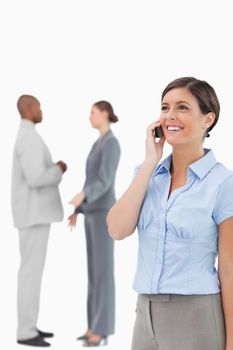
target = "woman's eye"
x: 164, y: 108
x: 183, y: 107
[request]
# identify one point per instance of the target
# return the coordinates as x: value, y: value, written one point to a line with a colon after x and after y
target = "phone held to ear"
x: 159, y: 132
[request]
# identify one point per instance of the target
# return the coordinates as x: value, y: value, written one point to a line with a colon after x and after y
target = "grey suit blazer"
x: 101, y: 169
x: 35, y: 178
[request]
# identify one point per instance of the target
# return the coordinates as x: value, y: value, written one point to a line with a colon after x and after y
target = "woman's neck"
x: 182, y: 157
x: 103, y: 129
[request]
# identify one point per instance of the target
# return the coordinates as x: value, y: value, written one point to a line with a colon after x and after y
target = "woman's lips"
x: 172, y: 129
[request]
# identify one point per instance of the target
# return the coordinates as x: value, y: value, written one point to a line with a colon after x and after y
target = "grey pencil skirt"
x: 179, y: 322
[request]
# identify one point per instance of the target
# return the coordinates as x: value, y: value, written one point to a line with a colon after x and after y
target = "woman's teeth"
x: 174, y: 128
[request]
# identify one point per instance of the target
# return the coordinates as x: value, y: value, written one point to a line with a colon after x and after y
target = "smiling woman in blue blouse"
x: 183, y: 210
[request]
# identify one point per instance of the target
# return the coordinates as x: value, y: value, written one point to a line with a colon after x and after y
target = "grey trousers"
x: 33, y: 246
x: 179, y: 322
x: 100, y: 263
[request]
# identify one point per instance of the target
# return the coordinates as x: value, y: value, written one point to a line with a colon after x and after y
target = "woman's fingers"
x: 152, y: 126
x: 74, y: 202
x: 72, y: 219
x: 151, y: 129
x: 162, y: 140
x: 71, y: 227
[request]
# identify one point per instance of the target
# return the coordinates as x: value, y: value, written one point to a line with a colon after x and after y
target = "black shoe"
x: 101, y: 342
x: 45, y: 334
x: 36, y: 341
x: 83, y: 337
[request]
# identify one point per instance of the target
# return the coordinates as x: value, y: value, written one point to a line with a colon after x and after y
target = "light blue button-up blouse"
x: 178, y: 236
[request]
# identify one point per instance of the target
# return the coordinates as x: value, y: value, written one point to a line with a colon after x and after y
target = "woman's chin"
x: 175, y: 141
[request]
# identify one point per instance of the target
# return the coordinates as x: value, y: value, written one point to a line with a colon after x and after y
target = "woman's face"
x: 181, y: 118
x: 97, y: 117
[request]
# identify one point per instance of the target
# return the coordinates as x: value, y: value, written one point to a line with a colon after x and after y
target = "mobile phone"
x: 159, y: 132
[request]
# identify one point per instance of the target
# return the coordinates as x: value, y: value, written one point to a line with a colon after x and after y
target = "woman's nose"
x: 171, y: 117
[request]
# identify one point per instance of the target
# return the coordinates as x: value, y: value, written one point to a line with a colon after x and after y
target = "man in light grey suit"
x: 36, y: 204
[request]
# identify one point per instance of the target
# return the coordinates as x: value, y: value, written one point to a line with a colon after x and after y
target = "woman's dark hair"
x: 106, y: 106
x: 202, y: 91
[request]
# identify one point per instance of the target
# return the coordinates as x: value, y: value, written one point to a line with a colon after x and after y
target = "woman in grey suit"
x: 94, y: 201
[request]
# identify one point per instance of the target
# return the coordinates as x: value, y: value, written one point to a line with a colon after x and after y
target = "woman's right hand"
x: 154, y: 149
x: 72, y: 221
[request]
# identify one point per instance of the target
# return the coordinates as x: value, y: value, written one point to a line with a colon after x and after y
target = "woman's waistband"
x: 176, y: 297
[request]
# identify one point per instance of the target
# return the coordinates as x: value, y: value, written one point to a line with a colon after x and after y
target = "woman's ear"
x: 105, y: 115
x: 209, y: 120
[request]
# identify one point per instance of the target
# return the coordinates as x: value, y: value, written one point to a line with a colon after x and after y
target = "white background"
x: 70, y: 54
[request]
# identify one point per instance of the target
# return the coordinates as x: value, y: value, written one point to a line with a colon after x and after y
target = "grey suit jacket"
x: 101, y: 169
x: 35, y: 178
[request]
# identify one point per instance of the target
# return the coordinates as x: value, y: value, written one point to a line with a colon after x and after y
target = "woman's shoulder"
x: 221, y: 171
x: 110, y: 140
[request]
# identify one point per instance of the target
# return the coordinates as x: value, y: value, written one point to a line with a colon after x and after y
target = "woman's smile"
x: 173, y: 129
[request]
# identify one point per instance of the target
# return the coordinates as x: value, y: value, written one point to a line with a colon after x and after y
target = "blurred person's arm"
x: 33, y: 163
x: 104, y: 179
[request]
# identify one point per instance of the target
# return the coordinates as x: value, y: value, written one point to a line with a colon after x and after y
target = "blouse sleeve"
x: 224, y: 203
x: 106, y: 172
